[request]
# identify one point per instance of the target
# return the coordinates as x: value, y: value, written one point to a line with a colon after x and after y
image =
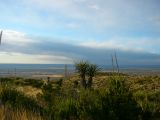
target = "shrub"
x: 18, y: 100
x: 6, y: 80
x: 121, y: 100
x: 33, y: 83
x: 66, y: 109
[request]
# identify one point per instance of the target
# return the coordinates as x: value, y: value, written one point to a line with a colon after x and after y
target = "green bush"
x: 6, y: 80
x: 66, y: 109
x: 33, y: 82
x: 122, y: 101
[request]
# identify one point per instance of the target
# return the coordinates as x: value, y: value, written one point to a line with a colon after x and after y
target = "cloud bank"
x: 20, y: 47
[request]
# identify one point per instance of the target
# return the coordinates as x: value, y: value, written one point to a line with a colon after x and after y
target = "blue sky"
x: 63, y: 31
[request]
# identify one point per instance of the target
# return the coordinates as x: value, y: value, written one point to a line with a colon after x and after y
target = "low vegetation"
x: 87, y: 95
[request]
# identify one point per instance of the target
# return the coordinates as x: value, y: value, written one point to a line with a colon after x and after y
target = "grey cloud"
x: 76, y: 52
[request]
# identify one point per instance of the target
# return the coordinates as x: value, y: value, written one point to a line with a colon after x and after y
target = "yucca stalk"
x: 1, y: 36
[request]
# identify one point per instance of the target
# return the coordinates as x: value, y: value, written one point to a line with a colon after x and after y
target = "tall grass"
x: 18, y: 100
x: 8, y: 113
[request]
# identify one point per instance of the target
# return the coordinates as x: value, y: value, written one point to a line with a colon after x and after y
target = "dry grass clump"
x: 29, y: 90
x: 7, y: 113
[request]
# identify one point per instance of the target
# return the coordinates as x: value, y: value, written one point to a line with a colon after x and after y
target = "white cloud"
x: 94, y: 6
x: 15, y: 38
x: 66, y: 7
x: 72, y: 25
x: 93, y: 14
x: 16, y: 47
x: 156, y: 20
x: 13, y: 57
x: 127, y: 44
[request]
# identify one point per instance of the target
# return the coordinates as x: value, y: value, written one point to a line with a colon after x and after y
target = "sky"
x: 65, y: 31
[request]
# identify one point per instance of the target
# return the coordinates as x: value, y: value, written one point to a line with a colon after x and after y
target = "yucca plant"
x: 91, y: 72
x: 81, y: 68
